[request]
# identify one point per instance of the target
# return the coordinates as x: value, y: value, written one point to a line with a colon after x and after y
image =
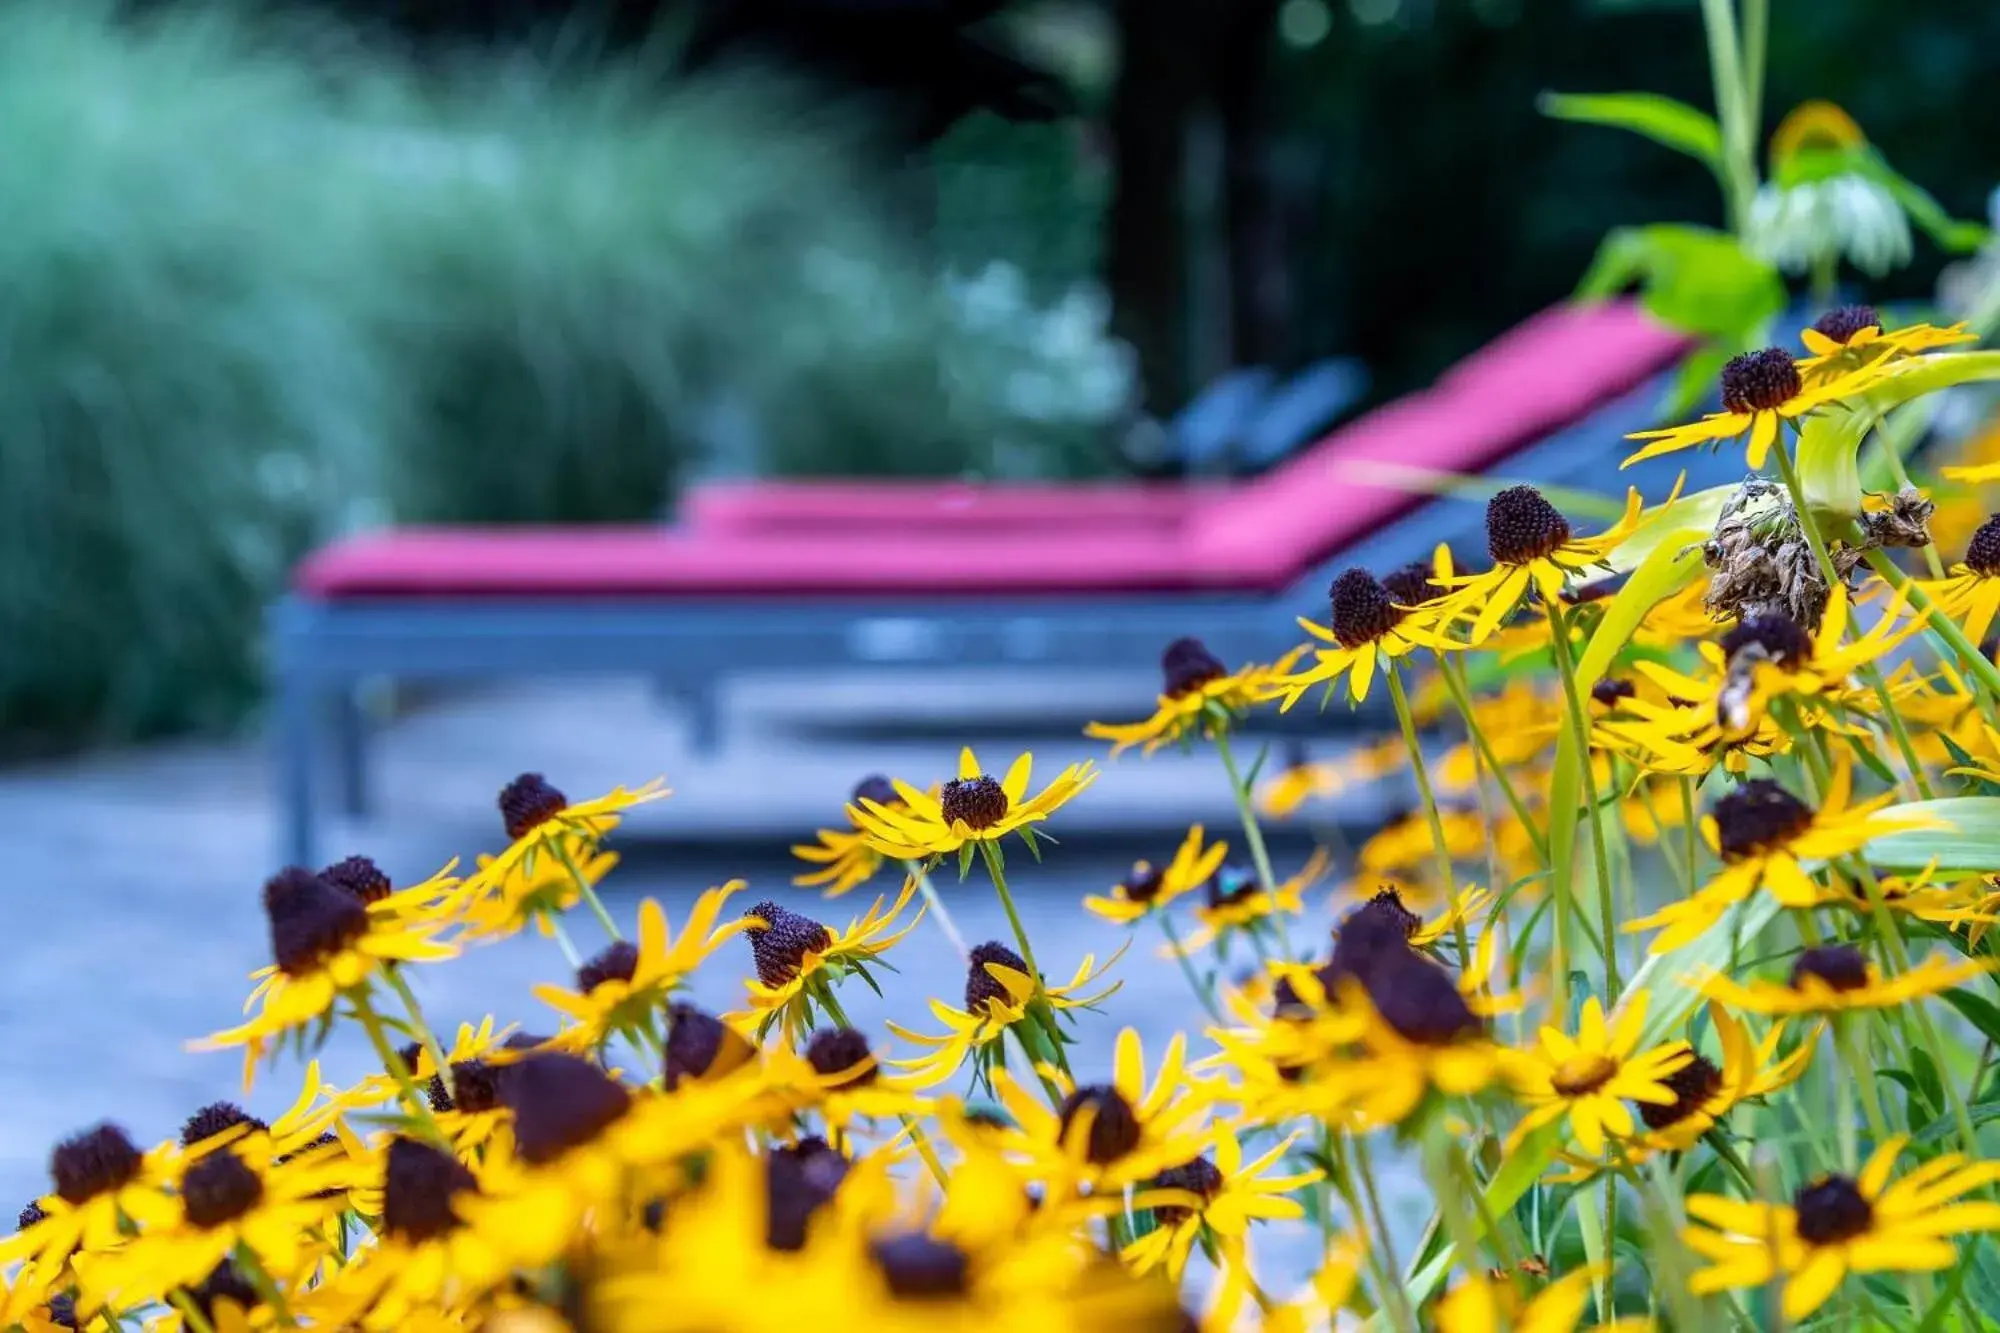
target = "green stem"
x: 1461, y: 698
x: 998, y: 874
x: 1580, y: 728
x: 1201, y: 992
x: 1739, y: 174
x: 1440, y: 849
x: 824, y: 994
x: 589, y: 894
x: 1253, y: 832
x: 424, y: 1033
x: 1394, y: 1296
x: 385, y: 1051
x: 259, y: 1278
x: 190, y: 1313
x: 563, y: 940
x: 1691, y: 833
x: 1894, y: 457
x: 938, y: 912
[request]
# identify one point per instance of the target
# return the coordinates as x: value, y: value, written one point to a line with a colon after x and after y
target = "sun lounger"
x: 691, y: 605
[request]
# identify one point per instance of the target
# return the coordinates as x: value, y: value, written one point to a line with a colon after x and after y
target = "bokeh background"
x: 271, y: 273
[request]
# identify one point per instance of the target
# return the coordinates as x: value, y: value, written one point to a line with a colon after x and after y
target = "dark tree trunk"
x: 1260, y: 317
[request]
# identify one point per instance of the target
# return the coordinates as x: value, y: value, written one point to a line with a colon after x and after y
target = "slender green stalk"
x: 1201, y: 992
x: 1461, y: 698
x: 424, y: 1033
x: 385, y: 1051
x: 1440, y: 848
x: 589, y: 893
x: 936, y: 903
x: 1253, y: 832
x: 918, y: 1139
x: 1580, y: 728
x: 259, y: 1278
x: 190, y: 1312
x: 1739, y: 174
x: 1691, y: 831
x: 563, y: 940
x: 998, y: 874
x: 1394, y: 1297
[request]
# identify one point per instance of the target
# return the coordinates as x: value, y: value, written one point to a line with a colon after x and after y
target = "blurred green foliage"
x: 264, y: 286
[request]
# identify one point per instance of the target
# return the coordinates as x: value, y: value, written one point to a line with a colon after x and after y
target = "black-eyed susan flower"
x: 971, y: 808
x: 623, y: 986
x: 501, y: 900
x: 700, y: 1046
x: 228, y: 1199
x: 796, y: 955
x: 1479, y: 1303
x: 1765, y: 837
x: 1852, y: 337
x: 1836, y: 978
x: 1404, y: 847
x: 1533, y: 550
x: 1106, y: 1136
x: 1969, y: 593
x: 328, y: 945
x: 1760, y: 392
x: 100, y: 1179
x: 1200, y: 696
x: 540, y: 819
x: 1588, y: 1078
x: 1419, y: 1034
x: 844, y: 858
x: 1237, y: 902
x: 426, y: 1255
x: 1299, y: 779
x: 1703, y: 1092
x: 1149, y: 888
x: 1367, y: 631
x: 1837, y: 1225
x: 1219, y: 1193
x: 999, y: 992
x: 839, y: 1073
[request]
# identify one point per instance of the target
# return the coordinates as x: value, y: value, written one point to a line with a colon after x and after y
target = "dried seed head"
x: 981, y: 987
x: 1760, y: 381
x: 1832, y: 1209
x: 1522, y: 526
x: 1186, y: 666
x: 978, y: 803
x: 1982, y: 553
x: 779, y: 946
x: 1843, y: 322
x: 1363, y: 609
x: 528, y: 802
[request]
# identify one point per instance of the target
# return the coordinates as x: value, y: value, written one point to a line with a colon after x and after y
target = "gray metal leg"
x: 292, y: 730
x: 704, y: 704
x: 350, y: 733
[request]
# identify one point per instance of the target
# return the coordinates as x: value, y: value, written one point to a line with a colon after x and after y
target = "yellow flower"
x: 1836, y: 978
x: 972, y: 808
x: 1237, y: 902
x: 1201, y: 695
x: 1403, y: 846
x: 1301, y: 779
x: 998, y: 994
x: 1764, y: 835
x: 100, y: 1177
x: 1419, y: 1034
x: 1533, y: 550
x: 1836, y: 1225
x: 841, y: 1076
x: 796, y: 955
x: 1590, y: 1077
x: 1852, y: 337
x: 1481, y: 1304
x: 328, y: 946
x: 620, y: 989
x: 1222, y: 1196
x: 500, y: 900
x: 539, y: 819
x: 1367, y: 629
x: 1149, y: 888
x: 1969, y: 593
x: 1109, y: 1135
x: 1760, y: 391
x: 1703, y: 1094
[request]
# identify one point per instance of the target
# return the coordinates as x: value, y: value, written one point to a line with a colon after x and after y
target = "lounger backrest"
x: 1543, y: 376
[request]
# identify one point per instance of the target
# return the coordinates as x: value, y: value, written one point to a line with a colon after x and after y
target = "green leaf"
x: 1981, y: 1012
x: 1830, y: 443
x: 1675, y: 125
x: 1693, y: 278
x: 1968, y: 836
x: 1688, y: 520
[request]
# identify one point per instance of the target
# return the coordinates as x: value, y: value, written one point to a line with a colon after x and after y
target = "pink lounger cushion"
x: 1256, y: 538
x: 1561, y: 333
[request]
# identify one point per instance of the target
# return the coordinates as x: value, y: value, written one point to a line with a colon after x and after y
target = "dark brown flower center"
x: 528, y: 802
x: 617, y: 961
x: 978, y: 803
x: 1582, y: 1074
x: 1376, y: 932
x: 1232, y: 885
x: 797, y: 1180
x: 1982, y: 553
x: 982, y: 987
x: 1522, y: 526
x: 779, y: 946
x: 95, y: 1162
x: 1114, y: 1125
x: 699, y: 1043
x: 1760, y: 381
x: 360, y: 877
x: 1610, y: 692
x: 842, y: 1051
x: 1199, y: 1177
x: 1412, y: 584
x: 560, y: 1102
x: 1832, y: 1209
x: 62, y: 1310
x: 1363, y: 610
x: 1692, y: 1085
x: 1187, y: 665
x: 311, y: 920
x: 31, y: 1213
x: 213, y: 1119
x: 877, y: 788
x: 1143, y: 882
x: 921, y: 1268
x: 1840, y: 966
x: 1843, y: 322
x: 225, y: 1282
x: 1597, y: 590
x: 1419, y: 1000
x: 218, y: 1189
x: 418, y: 1184
x: 1779, y: 637
x: 1759, y: 816
x: 475, y: 1087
